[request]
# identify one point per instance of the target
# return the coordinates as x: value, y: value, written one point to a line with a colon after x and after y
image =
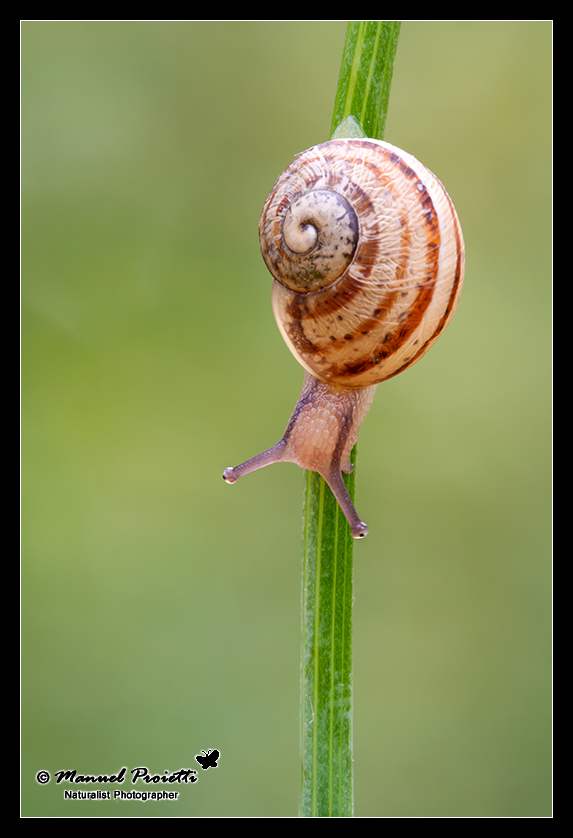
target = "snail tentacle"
x: 319, y: 437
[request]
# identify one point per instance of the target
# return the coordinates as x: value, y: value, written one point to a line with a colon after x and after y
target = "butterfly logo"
x: 208, y: 760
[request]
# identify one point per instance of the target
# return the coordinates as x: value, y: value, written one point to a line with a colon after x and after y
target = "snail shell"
x: 368, y: 258
x: 385, y: 275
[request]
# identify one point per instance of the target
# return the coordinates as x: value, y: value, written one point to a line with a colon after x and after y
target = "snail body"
x: 367, y: 256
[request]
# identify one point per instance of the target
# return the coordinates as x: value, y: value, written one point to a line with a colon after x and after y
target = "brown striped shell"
x: 368, y: 258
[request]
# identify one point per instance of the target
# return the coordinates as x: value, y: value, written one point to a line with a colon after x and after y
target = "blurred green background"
x: 161, y: 607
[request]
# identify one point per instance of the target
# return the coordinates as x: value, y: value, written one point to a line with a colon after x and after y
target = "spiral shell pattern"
x: 362, y: 292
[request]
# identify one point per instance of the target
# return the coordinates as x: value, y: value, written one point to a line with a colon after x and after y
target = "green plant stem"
x: 366, y: 75
x: 326, y: 671
x: 327, y: 592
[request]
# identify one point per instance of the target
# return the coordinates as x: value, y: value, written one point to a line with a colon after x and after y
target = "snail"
x: 367, y: 256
